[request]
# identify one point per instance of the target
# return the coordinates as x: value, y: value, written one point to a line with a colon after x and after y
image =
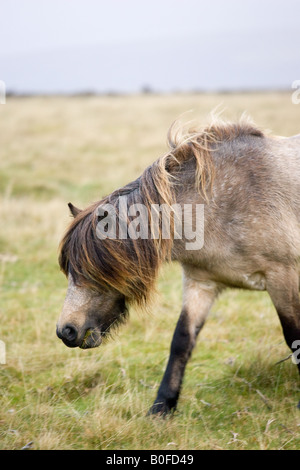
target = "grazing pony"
x: 248, y: 185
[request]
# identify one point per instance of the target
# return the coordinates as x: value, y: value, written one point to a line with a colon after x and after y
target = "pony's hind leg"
x: 197, y: 301
x: 283, y: 288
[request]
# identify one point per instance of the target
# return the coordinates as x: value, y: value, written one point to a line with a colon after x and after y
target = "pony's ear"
x: 74, y: 210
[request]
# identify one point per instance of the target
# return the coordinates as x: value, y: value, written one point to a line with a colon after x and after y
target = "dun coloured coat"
x: 249, y: 184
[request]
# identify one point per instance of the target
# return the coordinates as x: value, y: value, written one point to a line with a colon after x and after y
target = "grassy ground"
x: 56, y: 150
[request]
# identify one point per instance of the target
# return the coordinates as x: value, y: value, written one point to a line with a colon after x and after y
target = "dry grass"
x: 56, y: 150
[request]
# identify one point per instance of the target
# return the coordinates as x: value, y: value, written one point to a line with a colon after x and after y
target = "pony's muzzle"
x: 85, y: 339
x: 69, y: 335
x: 92, y: 338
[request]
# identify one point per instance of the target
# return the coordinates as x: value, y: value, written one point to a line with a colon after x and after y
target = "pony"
x: 248, y: 185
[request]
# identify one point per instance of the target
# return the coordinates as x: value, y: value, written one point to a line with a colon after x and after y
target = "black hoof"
x: 160, y: 409
x: 298, y: 406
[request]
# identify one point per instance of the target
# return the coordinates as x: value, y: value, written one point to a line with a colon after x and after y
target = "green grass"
x: 234, y: 396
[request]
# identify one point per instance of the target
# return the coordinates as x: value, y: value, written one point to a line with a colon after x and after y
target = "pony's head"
x: 105, y: 276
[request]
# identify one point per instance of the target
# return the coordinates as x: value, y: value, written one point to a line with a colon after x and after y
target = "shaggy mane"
x: 131, y: 266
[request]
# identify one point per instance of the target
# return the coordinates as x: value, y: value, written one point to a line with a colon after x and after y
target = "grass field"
x: 60, y: 149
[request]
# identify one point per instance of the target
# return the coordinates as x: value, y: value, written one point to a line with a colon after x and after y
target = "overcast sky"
x: 123, y: 45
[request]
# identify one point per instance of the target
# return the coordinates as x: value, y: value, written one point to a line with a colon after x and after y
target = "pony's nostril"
x: 69, y: 333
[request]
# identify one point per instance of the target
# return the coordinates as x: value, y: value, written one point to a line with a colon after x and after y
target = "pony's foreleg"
x: 283, y: 288
x: 197, y: 301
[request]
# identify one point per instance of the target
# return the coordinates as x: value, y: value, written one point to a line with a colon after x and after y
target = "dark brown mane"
x: 131, y: 266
